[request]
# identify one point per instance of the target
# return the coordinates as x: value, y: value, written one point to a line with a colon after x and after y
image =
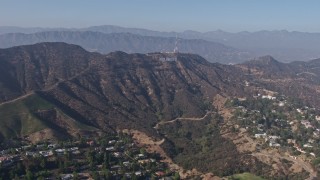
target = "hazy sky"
x: 165, y: 15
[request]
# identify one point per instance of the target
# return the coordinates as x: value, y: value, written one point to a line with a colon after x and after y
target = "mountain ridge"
x: 284, y: 45
x: 128, y: 42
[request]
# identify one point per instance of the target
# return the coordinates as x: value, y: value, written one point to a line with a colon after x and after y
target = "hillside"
x: 119, y: 85
x: 37, y: 119
x: 177, y: 99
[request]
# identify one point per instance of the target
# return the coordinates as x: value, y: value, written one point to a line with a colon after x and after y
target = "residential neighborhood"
x: 108, y: 157
x: 275, y: 121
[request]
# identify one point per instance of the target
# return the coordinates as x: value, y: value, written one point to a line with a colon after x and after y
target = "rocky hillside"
x: 116, y: 90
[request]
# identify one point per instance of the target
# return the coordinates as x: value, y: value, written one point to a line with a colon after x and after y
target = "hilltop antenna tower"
x: 175, y: 50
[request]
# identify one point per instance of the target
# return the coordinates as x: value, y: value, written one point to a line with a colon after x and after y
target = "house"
x: 117, y: 154
x: 46, y: 153
x: 115, y: 167
x: 264, y: 135
x: 138, y: 173
x: 306, y: 123
x: 52, y: 146
x: 26, y: 147
x: 74, y: 148
x: 268, y: 97
x: 90, y: 143
x: 126, y: 163
x: 274, y: 144
x: 60, y: 151
x: 160, y: 173
x: 307, y: 145
x: 311, y: 141
x: 300, y: 150
x: 33, y: 154
x: 41, y: 146
x: 140, y: 156
x: 273, y: 137
x: 66, y: 176
x: 110, y: 148
x: 143, y: 161
x: 299, y: 111
x: 128, y: 175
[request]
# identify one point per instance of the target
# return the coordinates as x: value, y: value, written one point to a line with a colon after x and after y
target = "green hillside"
x: 21, y: 117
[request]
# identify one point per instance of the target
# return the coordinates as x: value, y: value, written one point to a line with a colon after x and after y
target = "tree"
x: 75, y: 175
x: 29, y: 175
x: 95, y: 175
x: 176, y: 176
x: 43, y: 163
x: 107, y: 174
x: 142, y: 151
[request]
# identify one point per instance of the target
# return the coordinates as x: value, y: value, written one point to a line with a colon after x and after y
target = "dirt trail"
x: 19, y: 98
x: 153, y: 145
x: 182, y: 118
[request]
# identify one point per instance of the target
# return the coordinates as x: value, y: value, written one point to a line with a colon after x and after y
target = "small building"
x: 60, y: 151
x: 264, y: 135
x: 138, y: 173
x: 110, y: 148
x: 116, y: 154
x: 307, y: 145
x: 46, y: 153
x: 274, y: 144
x: 90, y: 143
x: 160, y: 173
x: 306, y: 123
x: 268, y: 97
x: 52, y: 146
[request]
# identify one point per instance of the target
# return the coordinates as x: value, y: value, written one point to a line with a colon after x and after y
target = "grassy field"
x: 245, y: 176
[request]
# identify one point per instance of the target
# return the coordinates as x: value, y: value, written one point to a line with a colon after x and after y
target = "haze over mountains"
x: 283, y: 45
x: 127, y: 42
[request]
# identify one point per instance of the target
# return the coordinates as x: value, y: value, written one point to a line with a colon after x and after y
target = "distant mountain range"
x: 283, y: 45
x: 130, y: 43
